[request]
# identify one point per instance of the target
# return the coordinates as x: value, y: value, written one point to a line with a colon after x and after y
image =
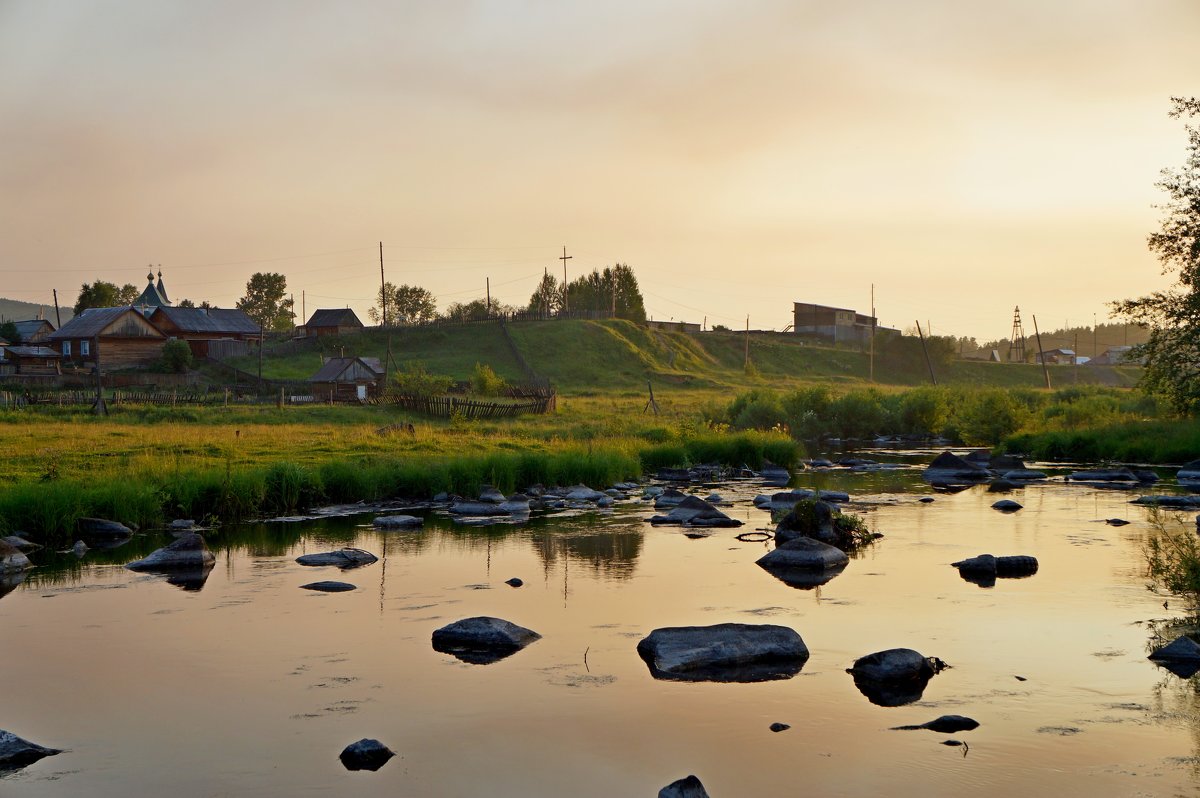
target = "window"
x: 84, y: 348
x: 66, y: 348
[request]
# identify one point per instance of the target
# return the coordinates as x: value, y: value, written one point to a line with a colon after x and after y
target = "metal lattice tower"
x: 1016, y: 344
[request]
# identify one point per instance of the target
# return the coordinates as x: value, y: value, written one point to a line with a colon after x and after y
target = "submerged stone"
x: 102, y: 527
x: 342, y: 558
x: 12, y: 559
x: 1007, y: 506
x: 397, y: 522
x: 329, y: 587
x: 946, y: 724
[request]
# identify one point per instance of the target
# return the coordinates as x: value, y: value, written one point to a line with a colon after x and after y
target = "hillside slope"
x: 16, y: 310
x: 580, y: 356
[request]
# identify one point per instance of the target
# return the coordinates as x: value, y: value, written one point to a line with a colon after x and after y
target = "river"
x: 251, y: 686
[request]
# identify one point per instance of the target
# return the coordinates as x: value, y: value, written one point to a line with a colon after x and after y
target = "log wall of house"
x: 122, y: 352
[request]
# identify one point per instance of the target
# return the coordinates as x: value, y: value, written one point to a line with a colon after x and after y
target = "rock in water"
x: 188, y: 551
x: 778, y: 727
x: 684, y: 788
x: 103, y: 528
x: 12, y: 559
x: 397, y: 522
x: 805, y: 553
x: 726, y: 652
x: 1181, y: 649
x: 949, y: 467
x: 946, y: 724
x: 17, y: 753
x: 482, y: 640
x: 894, y: 677
x: 984, y: 569
x: 366, y: 754
x: 1007, y: 506
x: 516, y: 581
x: 18, y: 542
x: 328, y: 587
x: 342, y: 558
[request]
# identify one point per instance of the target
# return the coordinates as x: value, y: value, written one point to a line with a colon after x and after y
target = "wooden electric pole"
x: 872, y: 360
x: 1041, y: 354
x: 382, y: 285
x: 565, y: 257
x: 925, y: 349
x: 57, y: 317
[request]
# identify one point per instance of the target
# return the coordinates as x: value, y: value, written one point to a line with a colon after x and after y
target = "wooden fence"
x: 447, y: 406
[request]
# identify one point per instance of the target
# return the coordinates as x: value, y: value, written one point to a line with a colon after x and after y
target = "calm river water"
x: 251, y: 686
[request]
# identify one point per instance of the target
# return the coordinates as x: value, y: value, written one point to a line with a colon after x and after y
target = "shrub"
x: 176, y: 356
x: 415, y: 380
x: 486, y: 382
x: 1172, y: 554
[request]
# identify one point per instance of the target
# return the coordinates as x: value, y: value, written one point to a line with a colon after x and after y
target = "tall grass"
x: 1172, y: 555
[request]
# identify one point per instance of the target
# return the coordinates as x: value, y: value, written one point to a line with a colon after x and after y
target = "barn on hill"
x: 332, y: 321
x: 347, y: 379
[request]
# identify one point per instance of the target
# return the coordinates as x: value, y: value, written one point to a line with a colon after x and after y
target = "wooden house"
x: 347, y: 379
x: 332, y: 321
x: 33, y: 331
x: 116, y: 337
x: 215, y: 333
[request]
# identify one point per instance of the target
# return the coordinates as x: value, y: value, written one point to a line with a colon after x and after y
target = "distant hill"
x: 16, y: 310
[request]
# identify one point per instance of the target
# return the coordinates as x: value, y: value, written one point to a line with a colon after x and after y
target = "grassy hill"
x: 585, y: 356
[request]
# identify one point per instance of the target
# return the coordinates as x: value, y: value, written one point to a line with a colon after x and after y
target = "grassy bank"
x: 1155, y: 441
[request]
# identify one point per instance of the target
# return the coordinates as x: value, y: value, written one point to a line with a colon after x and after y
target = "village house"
x: 331, y: 321
x: 115, y: 337
x: 31, y: 359
x: 347, y: 379
x: 32, y: 331
x: 215, y: 333
x: 1056, y: 357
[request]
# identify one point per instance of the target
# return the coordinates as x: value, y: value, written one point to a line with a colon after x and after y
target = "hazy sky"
x: 964, y: 156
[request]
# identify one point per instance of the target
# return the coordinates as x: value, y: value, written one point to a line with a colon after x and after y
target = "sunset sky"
x: 963, y: 156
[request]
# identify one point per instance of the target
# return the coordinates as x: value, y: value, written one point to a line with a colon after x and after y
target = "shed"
x: 347, y: 379
x: 118, y: 337
x: 29, y: 360
x: 332, y: 321
x: 32, y: 331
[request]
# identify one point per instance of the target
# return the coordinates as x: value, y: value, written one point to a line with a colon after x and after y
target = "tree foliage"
x: 266, y: 301
x: 176, y: 356
x: 613, y: 290
x: 8, y: 331
x: 547, y: 297
x: 103, y: 294
x: 1172, y: 354
x: 405, y: 303
x: 476, y: 310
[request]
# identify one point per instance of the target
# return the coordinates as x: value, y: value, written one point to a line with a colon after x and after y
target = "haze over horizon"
x: 963, y: 157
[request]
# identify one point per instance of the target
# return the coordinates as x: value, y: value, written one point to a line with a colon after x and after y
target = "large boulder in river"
x: 397, y: 522
x: 342, y: 558
x: 984, y: 568
x: 775, y: 475
x: 188, y: 551
x: 725, y: 652
x: 684, y: 788
x: 482, y: 640
x: 20, y: 543
x: 807, y: 518
x: 12, y: 559
x: 804, y: 553
x: 1181, y: 657
x: 949, y: 467
x: 894, y: 677
x: 1189, y: 472
x: 17, y: 753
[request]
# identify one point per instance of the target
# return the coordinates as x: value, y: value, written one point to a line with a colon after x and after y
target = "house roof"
x: 32, y: 351
x: 209, y: 320
x: 336, y: 366
x: 92, y: 322
x: 334, y: 317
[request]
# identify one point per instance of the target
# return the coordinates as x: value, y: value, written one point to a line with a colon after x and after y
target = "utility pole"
x: 872, y: 360
x: 382, y: 285
x: 565, y: 257
x: 57, y: 316
x: 1095, y: 350
x: 304, y: 306
x: 261, y: 341
x: 488, y: 285
x: 746, y: 364
x: 925, y: 349
x: 1041, y: 354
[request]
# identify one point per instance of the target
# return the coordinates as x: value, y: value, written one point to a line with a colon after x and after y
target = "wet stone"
x: 342, y: 558
x: 482, y: 640
x: 684, y: 788
x: 514, y: 582
x: 16, y: 752
x: 329, y: 587
x: 366, y: 754
x: 726, y: 652
x: 778, y: 727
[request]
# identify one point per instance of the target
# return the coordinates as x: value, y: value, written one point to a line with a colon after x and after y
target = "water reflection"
x: 613, y: 554
x: 802, y: 578
x: 892, y: 694
x: 9, y: 582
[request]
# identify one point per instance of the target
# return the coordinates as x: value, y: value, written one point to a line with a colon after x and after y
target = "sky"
x: 962, y: 157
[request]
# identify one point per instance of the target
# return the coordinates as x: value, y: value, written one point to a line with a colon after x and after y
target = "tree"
x: 1172, y: 353
x: 103, y: 294
x: 176, y: 356
x: 8, y: 331
x: 613, y: 290
x: 547, y: 297
x: 408, y: 303
x: 476, y: 310
x: 266, y: 301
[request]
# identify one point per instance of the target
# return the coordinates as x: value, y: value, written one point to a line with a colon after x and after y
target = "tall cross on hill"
x: 565, y: 257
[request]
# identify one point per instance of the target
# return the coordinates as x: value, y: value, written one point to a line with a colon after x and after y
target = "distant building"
x: 332, y: 321
x: 152, y: 296
x: 33, y: 331
x: 347, y: 378
x: 1056, y: 357
x: 839, y: 325
x: 1115, y: 356
x: 21, y: 359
